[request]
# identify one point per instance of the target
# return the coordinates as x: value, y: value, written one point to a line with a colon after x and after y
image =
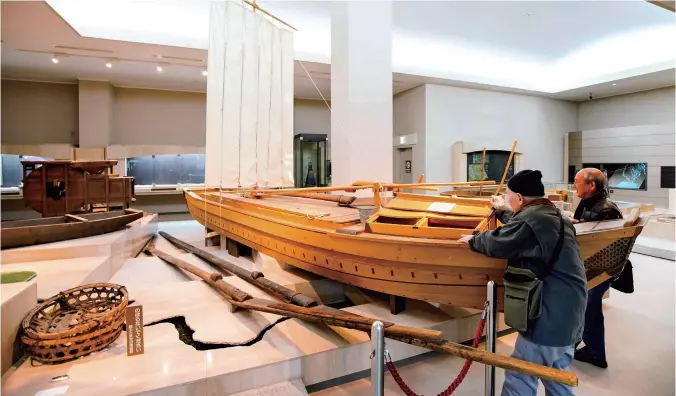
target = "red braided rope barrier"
x: 458, y: 380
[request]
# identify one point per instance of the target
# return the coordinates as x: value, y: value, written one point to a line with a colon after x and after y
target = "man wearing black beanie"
x: 545, y: 282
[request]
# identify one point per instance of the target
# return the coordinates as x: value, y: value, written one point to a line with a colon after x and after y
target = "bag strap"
x: 557, y: 250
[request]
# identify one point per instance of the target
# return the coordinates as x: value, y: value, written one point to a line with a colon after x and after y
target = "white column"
x: 361, y: 91
x: 95, y: 100
x: 95, y: 113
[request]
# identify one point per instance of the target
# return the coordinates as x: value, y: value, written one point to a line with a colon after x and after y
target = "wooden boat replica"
x: 407, y: 248
x: 54, y: 229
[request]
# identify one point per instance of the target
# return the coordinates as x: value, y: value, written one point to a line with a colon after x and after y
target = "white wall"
x: 461, y: 114
x: 312, y: 117
x: 632, y: 128
x: 39, y: 113
x: 642, y: 108
x: 154, y: 117
x: 410, y: 117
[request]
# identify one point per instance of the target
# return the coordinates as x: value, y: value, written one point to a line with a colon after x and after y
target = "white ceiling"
x: 546, y: 46
x: 32, y: 32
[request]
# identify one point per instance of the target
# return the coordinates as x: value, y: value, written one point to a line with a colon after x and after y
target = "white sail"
x: 249, y: 139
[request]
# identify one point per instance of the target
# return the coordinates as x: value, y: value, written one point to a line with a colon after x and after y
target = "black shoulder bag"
x: 523, y: 290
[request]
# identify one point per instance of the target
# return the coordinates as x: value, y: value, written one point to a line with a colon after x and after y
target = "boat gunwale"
x: 609, y: 234
x: 3, y: 225
x: 333, y: 232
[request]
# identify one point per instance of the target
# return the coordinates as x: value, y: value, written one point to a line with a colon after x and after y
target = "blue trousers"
x: 594, y: 330
x: 517, y: 384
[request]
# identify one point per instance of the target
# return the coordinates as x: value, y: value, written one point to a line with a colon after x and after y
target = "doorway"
x: 404, y: 165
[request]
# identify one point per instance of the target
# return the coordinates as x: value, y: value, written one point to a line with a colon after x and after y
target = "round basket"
x: 365, y: 212
x: 75, y: 322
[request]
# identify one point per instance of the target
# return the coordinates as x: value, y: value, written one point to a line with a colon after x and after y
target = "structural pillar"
x: 361, y: 92
x: 96, y: 100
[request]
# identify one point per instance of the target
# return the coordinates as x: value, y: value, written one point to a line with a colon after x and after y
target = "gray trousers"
x: 517, y: 384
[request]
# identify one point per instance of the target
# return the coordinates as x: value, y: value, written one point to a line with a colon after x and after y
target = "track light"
x: 55, y: 59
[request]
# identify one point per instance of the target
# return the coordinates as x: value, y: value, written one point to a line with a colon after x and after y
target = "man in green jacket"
x: 537, y: 240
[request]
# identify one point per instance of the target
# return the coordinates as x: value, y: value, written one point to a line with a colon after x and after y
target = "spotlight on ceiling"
x: 109, y: 65
x: 55, y: 59
x: 614, y: 84
x: 159, y: 69
x: 204, y: 72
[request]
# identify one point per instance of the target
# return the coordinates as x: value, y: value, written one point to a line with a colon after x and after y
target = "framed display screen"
x: 496, y: 161
x: 624, y: 176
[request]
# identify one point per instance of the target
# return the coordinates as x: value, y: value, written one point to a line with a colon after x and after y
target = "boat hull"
x: 434, y: 270
x: 22, y: 233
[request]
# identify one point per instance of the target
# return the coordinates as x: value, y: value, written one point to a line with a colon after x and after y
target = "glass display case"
x: 309, y: 160
x: 167, y: 169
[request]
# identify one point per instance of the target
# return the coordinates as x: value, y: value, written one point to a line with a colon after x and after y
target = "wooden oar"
x: 214, y: 280
x: 241, y: 299
x: 256, y: 278
x: 343, y: 200
x: 430, y: 339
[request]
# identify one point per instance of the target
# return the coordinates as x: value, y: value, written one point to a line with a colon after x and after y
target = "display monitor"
x: 624, y: 176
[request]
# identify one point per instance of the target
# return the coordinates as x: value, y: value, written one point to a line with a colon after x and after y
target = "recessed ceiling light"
x: 159, y: 68
x: 55, y: 59
x: 204, y: 72
x: 614, y: 84
x: 109, y: 65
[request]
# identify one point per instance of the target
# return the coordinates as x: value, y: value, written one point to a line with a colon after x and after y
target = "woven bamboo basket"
x: 75, y: 322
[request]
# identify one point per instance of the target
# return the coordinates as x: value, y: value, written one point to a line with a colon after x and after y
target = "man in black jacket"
x: 537, y: 239
x: 590, y: 185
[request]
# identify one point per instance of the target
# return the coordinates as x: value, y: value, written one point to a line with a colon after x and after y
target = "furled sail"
x: 249, y: 127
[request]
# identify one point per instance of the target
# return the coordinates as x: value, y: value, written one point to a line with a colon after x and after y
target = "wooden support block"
x: 397, y: 304
x: 232, y: 247
x: 212, y: 238
x: 237, y: 249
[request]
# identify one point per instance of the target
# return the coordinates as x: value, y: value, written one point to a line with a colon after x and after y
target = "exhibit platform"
x: 194, y: 344
x: 658, y: 238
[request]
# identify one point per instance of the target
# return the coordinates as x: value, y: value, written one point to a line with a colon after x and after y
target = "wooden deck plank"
x: 323, y: 210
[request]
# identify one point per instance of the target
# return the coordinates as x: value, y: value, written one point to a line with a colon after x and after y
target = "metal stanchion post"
x: 378, y: 358
x: 491, y: 326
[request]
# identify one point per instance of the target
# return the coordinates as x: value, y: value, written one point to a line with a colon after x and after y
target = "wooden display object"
x: 53, y: 229
x: 55, y: 188
x: 75, y: 323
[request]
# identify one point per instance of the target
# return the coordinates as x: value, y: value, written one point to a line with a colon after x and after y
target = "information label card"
x: 135, y: 345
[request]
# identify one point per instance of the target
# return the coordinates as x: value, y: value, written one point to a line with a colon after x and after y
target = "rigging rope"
x: 461, y: 376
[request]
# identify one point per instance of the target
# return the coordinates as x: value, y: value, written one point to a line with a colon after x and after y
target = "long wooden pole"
x: 483, y: 167
x: 339, y: 318
x: 256, y: 7
x: 214, y: 280
x: 256, y: 278
x: 340, y: 199
x: 504, y: 174
x: 430, y: 339
x: 484, y: 223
